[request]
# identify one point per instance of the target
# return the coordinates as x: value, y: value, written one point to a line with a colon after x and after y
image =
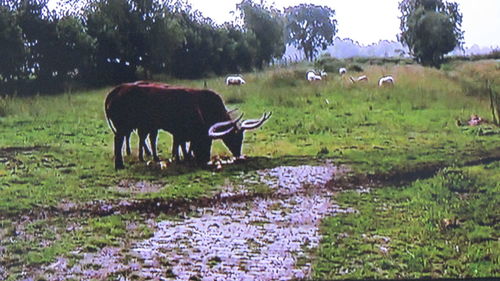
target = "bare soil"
x: 258, y: 238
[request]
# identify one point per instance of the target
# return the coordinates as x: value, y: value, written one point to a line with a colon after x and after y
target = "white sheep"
x: 342, y: 71
x: 363, y: 78
x: 386, y: 80
x: 234, y: 80
x: 360, y: 78
x: 311, y: 76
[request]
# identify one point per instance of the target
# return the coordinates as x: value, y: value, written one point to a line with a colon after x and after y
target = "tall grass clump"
x: 50, y: 106
x: 5, y: 105
x: 281, y: 78
x: 472, y: 76
x: 21, y: 106
x: 287, y: 88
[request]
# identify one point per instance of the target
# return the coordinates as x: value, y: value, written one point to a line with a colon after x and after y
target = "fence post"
x: 494, y: 104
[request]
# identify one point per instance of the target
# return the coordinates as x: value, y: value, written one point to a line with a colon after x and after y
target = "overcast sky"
x: 368, y: 21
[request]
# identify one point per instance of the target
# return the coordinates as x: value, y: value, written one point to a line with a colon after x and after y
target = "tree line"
x: 103, y: 42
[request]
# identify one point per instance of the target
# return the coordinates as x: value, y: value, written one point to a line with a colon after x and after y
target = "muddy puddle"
x: 261, y: 239
x: 265, y: 239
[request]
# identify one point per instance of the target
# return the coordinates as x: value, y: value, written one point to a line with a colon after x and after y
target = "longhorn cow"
x: 143, y: 148
x: 195, y: 115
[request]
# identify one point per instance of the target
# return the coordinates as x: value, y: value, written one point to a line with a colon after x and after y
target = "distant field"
x: 56, y: 151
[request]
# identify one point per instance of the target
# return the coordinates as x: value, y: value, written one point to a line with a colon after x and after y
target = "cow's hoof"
x: 164, y: 165
x: 240, y: 159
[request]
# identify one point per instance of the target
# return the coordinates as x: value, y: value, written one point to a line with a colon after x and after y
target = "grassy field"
x: 56, y: 151
x: 445, y: 226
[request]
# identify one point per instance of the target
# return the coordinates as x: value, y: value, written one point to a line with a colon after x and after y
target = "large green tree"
x: 101, y: 42
x: 74, y: 49
x: 430, y: 29
x: 268, y: 25
x: 39, y: 36
x: 112, y: 24
x: 12, y: 49
x: 310, y: 27
x: 132, y: 35
x: 40, y: 49
x: 164, y: 35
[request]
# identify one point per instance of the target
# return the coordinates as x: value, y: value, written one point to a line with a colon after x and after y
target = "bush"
x: 355, y: 68
x: 329, y: 64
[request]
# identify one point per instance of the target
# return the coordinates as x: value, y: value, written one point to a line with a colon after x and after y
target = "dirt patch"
x: 13, y: 150
x: 288, y: 180
x: 408, y: 174
x: 263, y: 238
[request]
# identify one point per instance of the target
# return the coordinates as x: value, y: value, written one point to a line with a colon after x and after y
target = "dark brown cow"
x: 143, y: 148
x: 195, y: 115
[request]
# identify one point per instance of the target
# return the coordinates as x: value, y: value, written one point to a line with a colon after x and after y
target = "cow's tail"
x: 107, y: 104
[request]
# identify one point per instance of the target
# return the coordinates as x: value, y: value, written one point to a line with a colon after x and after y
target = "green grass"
x: 58, y: 149
x: 445, y: 226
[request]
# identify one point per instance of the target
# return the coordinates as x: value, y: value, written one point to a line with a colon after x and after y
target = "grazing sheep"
x: 342, y: 71
x: 386, y: 80
x: 234, y: 80
x: 360, y: 78
x: 311, y: 76
x: 363, y: 78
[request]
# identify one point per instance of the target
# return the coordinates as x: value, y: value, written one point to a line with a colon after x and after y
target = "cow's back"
x: 123, y: 107
x: 184, y: 112
x: 171, y: 109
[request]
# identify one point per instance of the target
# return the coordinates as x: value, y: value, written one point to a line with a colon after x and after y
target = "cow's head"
x: 231, y: 132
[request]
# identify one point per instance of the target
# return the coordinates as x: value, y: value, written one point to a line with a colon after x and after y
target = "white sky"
x: 368, y: 21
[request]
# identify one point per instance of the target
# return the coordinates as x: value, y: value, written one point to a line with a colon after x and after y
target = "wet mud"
x: 268, y: 238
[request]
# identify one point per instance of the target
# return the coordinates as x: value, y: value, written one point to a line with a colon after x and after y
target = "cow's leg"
x: 118, y: 151
x: 175, y: 149
x: 127, y: 143
x: 201, y: 149
x: 190, y: 151
x: 146, y: 148
x: 185, y: 151
x: 142, y: 143
x: 153, y: 135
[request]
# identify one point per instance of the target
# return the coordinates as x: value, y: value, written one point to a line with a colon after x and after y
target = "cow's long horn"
x: 215, y: 135
x: 253, y: 124
x: 212, y: 132
x: 232, y: 110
